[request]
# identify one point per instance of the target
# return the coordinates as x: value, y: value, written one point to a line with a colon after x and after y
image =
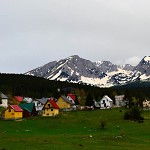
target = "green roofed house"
x: 28, y: 109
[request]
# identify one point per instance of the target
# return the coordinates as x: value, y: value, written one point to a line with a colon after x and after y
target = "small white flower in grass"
x: 91, y: 136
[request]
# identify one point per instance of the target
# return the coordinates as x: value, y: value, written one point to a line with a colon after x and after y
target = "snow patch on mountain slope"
x: 147, y: 58
x: 55, y: 76
x: 104, y: 80
x: 144, y: 77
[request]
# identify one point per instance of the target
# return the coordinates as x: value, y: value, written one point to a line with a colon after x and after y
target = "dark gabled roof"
x: 27, y: 106
x: 3, y: 96
x: 106, y: 97
x: 16, y: 108
x: 67, y: 100
x: 42, y: 100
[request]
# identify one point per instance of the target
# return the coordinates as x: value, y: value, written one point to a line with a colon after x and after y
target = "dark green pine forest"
x: 37, y: 87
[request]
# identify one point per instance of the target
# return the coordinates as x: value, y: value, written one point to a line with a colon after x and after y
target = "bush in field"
x: 103, y: 124
x: 2, y: 109
x: 134, y: 113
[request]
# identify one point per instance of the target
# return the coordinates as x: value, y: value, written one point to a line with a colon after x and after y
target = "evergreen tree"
x: 89, y: 100
x: 76, y: 101
x: 82, y: 97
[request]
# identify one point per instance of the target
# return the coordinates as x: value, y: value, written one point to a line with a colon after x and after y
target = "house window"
x: 49, y: 105
x: 9, y: 110
x: 51, y: 109
x: 12, y: 113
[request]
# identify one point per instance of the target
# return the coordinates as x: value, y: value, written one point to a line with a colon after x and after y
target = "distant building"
x: 27, y: 99
x: 119, y: 101
x: 4, y: 100
x: 64, y: 103
x: 50, y: 108
x: 28, y: 109
x: 13, y: 112
x: 71, y: 97
x: 39, y: 103
x: 96, y: 104
x: 146, y: 104
x: 17, y: 100
x: 106, y: 102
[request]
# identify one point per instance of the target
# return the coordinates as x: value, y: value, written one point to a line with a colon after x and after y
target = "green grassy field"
x: 76, y: 130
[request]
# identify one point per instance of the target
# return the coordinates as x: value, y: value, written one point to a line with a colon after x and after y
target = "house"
x: 106, y: 102
x: 146, y: 104
x: 119, y: 101
x: 71, y: 97
x: 39, y: 104
x: 96, y: 104
x: 64, y: 103
x: 50, y: 108
x: 13, y: 112
x: 17, y: 100
x: 28, y: 109
x: 4, y: 100
x: 27, y: 99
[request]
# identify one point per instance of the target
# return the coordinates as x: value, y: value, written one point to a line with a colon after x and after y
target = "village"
x: 25, y: 107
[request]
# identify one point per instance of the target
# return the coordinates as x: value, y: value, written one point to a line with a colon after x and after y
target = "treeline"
x: 37, y: 87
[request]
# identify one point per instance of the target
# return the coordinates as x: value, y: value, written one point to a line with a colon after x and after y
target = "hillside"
x: 31, y: 86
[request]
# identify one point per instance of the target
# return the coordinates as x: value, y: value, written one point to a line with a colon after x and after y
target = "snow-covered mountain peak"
x: 101, y: 73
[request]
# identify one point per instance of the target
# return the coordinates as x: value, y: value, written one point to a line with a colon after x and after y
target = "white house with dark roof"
x: 39, y: 103
x: 106, y: 102
x: 4, y: 100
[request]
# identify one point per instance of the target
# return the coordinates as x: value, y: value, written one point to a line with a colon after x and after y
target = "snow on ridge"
x: 147, y: 58
x: 98, y: 63
x: 56, y: 76
x: 96, y: 81
x: 144, y: 77
x: 62, y: 79
x: 72, y: 71
x: 56, y: 68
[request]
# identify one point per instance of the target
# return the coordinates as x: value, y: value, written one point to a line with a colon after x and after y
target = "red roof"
x: 16, y: 108
x: 72, y: 96
x: 18, y: 98
x: 54, y: 104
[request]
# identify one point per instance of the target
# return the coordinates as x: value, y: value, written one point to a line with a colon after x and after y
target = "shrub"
x: 134, y: 114
x: 127, y: 115
x: 103, y: 124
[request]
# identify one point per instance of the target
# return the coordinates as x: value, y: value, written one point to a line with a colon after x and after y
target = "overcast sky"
x: 35, y: 32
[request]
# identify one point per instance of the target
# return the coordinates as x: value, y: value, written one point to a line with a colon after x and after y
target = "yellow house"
x: 50, y: 108
x: 13, y: 112
x: 64, y: 103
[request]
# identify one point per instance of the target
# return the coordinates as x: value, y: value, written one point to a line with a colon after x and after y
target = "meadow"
x: 76, y: 130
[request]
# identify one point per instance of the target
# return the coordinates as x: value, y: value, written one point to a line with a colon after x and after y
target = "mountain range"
x: 101, y: 73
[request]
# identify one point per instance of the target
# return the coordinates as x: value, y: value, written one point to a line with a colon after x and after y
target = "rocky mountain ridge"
x: 101, y: 73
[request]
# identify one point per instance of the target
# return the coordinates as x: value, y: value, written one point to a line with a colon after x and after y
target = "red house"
x: 71, y: 97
